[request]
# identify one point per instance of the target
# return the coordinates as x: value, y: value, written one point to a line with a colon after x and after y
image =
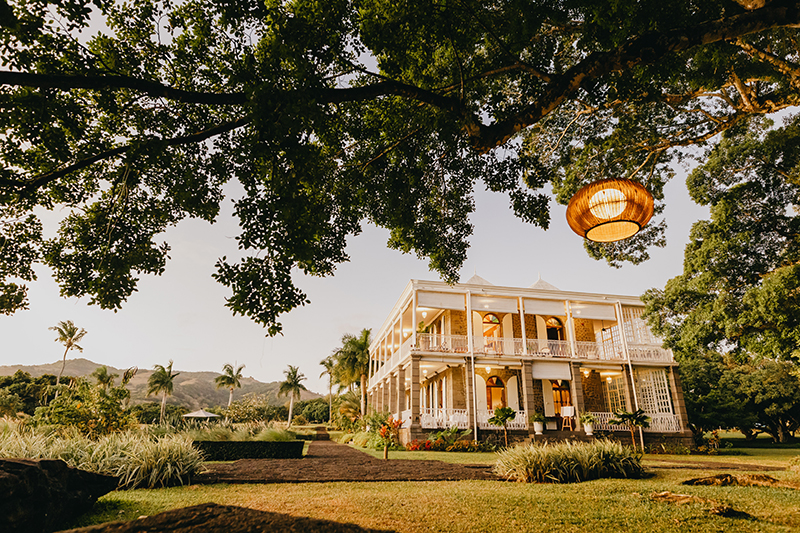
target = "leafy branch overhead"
x: 329, y: 114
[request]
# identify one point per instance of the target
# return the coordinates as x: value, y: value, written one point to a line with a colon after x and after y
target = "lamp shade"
x: 610, y: 210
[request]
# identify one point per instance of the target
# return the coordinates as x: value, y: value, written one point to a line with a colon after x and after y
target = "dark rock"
x: 213, y: 518
x: 41, y: 496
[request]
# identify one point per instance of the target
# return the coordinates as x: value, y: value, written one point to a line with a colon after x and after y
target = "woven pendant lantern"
x: 610, y: 210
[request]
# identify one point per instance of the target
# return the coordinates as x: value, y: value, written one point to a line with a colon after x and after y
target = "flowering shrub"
x: 390, y: 432
x: 440, y: 445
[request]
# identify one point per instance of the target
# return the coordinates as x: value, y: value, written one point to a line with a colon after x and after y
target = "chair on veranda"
x: 567, y: 416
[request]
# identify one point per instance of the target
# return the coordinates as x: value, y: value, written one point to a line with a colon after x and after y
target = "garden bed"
x: 254, y: 449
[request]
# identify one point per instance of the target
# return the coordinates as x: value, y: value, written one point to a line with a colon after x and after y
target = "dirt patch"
x: 713, y: 506
x: 327, y: 461
x: 709, y: 465
x: 743, y: 480
x: 213, y: 518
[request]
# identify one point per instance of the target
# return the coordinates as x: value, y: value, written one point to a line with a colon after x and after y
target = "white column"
x: 522, y: 326
x: 571, y: 330
x: 471, y: 341
x: 414, y: 320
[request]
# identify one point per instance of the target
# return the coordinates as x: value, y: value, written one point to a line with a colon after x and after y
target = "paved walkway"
x: 328, y: 461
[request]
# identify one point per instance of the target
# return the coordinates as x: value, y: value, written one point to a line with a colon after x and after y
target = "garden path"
x: 328, y: 461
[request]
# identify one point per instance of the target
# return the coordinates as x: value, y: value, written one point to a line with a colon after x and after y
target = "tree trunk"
x: 363, y: 395
x: 163, y: 407
x: 63, y: 365
x: 505, y: 434
x: 330, y: 402
x: 291, y: 405
x: 230, y: 398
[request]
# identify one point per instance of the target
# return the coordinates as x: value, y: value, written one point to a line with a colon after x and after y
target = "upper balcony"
x: 538, y: 348
x: 433, y: 344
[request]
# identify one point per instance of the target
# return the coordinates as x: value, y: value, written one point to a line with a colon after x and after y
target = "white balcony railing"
x: 428, y: 342
x: 520, y: 420
x: 650, y: 353
x: 497, y: 345
x: 548, y: 348
x: 659, y: 423
x: 438, y: 418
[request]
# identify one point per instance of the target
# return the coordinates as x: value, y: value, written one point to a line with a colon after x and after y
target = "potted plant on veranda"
x: 588, y: 420
x: 538, y: 420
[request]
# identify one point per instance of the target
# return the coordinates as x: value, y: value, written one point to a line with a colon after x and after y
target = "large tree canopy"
x: 332, y: 113
x: 739, y: 293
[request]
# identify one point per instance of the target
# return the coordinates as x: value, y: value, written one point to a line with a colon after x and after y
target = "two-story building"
x: 448, y: 355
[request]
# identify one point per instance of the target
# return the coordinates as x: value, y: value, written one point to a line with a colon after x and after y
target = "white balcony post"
x: 471, y: 345
x: 623, y: 338
x: 414, y: 321
x: 522, y: 326
x: 571, y: 330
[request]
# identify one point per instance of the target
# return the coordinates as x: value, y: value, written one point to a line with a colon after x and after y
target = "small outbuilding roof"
x: 202, y: 413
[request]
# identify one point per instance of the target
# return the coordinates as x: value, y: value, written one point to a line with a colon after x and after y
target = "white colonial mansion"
x: 448, y: 355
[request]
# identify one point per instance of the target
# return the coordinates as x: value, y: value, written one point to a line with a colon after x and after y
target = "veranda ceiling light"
x: 610, y: 210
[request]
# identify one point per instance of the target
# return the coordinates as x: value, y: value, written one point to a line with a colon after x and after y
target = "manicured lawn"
x: 602, y: 505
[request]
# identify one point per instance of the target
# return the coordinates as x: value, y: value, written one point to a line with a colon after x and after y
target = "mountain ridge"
x: 194, y: 390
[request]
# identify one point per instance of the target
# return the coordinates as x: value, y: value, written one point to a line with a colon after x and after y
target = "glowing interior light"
x: 607, y: 203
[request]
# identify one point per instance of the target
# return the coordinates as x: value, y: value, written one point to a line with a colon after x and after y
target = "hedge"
x: 254, y: 449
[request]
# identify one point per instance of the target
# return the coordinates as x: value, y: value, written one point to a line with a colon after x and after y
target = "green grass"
x: 481, y: 458
x: 490, y: 506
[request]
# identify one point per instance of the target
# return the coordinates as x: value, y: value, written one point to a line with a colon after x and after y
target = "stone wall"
x: 458, y: 322
x: 530, y: 326
x: 538, y: 396
x: 584, y: 330
x: 593, y: 397
x: 458, y: 391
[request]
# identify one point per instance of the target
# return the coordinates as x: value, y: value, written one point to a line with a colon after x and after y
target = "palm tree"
x: 329, y: 363
x: 104, y: 379
x: 502, y: 416
x: 69, y: 335
x: 638, y: 418
x: 230, y: 379
x: 127, y: 376
x: 292, y: 387
x: 161, y: 381
x: 352, y: 360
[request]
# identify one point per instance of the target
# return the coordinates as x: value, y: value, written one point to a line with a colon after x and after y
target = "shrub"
x: 137, y: 459
x: 94, y: 411
x: 275, y: 435
x: 567, y: 462
x: 345, y: 438
x: 362, y: 438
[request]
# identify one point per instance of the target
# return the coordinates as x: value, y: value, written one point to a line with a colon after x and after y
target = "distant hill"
x: 194, y: 390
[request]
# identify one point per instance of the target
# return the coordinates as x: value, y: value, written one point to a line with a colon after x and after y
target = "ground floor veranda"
x: 431, y: 393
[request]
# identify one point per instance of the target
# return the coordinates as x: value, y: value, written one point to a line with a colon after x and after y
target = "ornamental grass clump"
x: 568, y: 462
x: 137, y: 459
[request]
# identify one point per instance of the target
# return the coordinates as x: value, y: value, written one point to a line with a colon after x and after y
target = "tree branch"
x: 44, y: 179
x: 643, y: 50
x: 152, y: 88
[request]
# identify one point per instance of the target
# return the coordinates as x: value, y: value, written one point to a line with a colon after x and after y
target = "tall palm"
x: 292, y: 387
x: 162, y: 382
x: 329, y: 363
x: 104, y: 379
x: 69, y: 335
x: 353, y: 362
x: 230, y: 379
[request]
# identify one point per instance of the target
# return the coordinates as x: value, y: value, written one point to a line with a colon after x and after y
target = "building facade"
x: 448, y: 355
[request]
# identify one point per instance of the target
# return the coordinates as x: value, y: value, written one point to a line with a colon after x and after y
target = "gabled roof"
x: 477, y: 280
x: 542, y: 285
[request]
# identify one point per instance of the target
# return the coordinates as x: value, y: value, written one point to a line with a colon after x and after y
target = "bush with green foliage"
x: 92, y: 410
x: 255, y: 408
x: 313, y: 411
x: 10, y: 403
x: 32, y: 392
x: 568, y: 462
x: 451, y: 440
x: 149, y: 413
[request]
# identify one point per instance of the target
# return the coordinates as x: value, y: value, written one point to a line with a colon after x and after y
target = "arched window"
x: 555, y: 329
x: 491, y: 325
x: 495, y: 393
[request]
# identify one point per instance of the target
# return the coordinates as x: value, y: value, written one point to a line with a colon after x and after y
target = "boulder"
x: 213, y: 518
x: 44, y: 495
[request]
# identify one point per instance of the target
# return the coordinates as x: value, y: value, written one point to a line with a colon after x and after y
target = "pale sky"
x: 181, y: 315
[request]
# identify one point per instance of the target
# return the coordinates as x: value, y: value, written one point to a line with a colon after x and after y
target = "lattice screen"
x: 636, y: 330
x: 652, y: 386
x: 615, y: 394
